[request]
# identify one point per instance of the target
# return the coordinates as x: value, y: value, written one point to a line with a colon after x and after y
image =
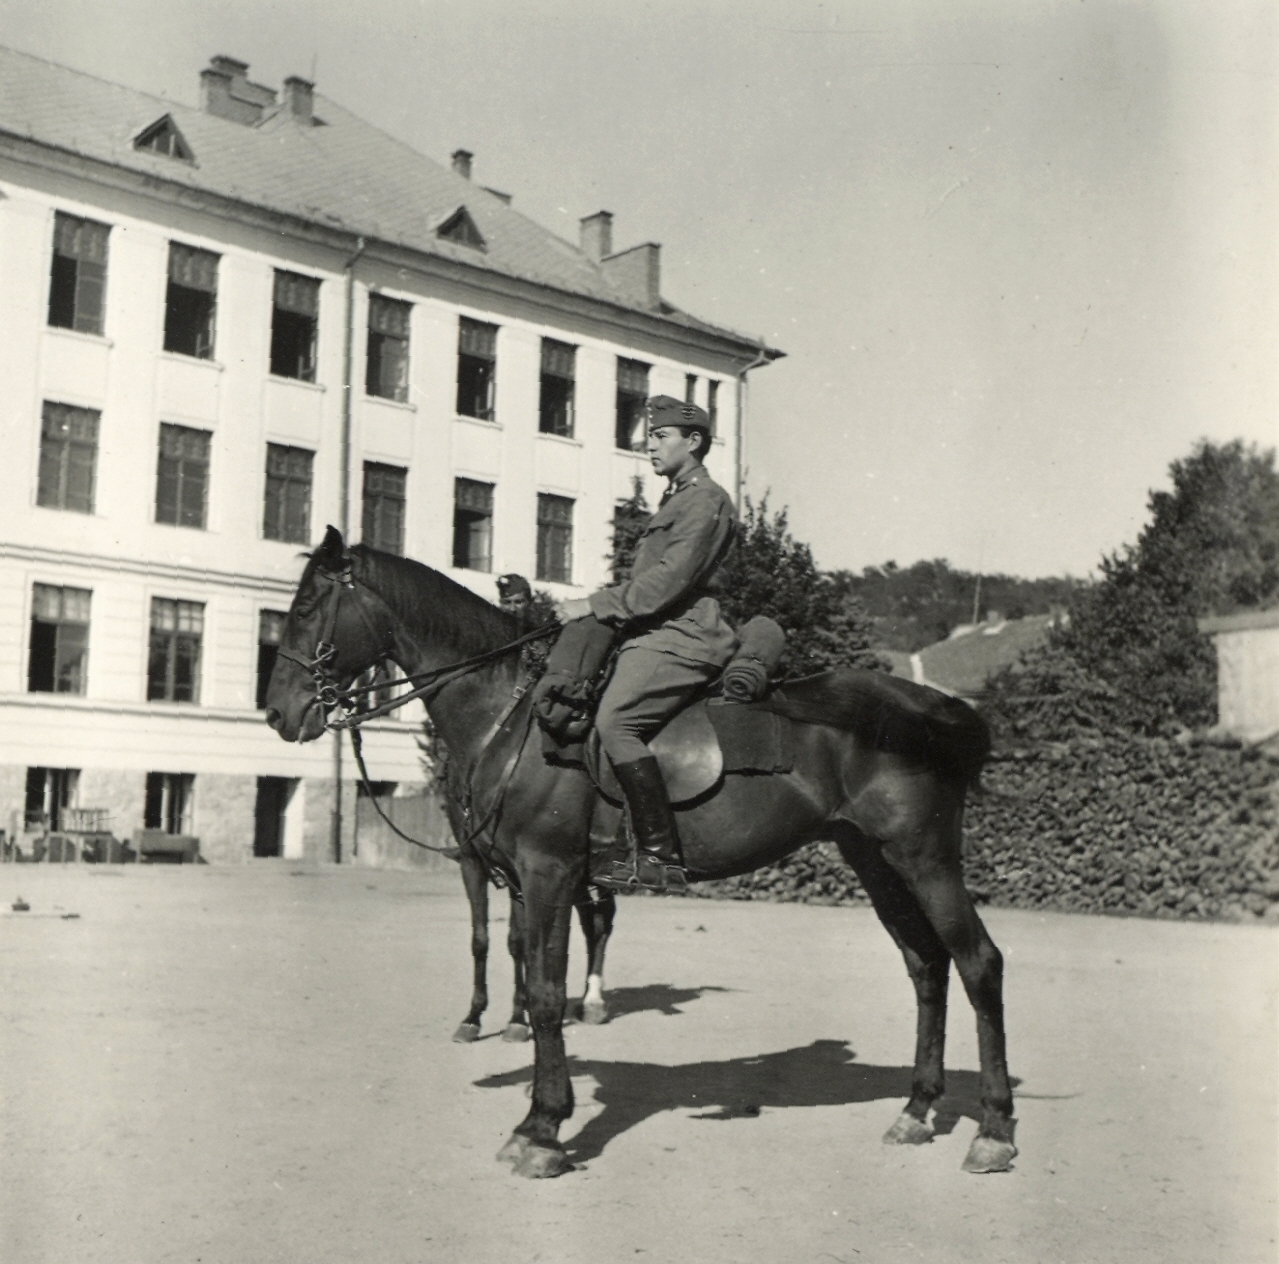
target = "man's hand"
x: 575, y: 608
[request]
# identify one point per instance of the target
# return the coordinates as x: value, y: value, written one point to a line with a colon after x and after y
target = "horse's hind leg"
x: 928, y: 963
x: 929, y: 860
x: 477, y: 893
x: 596, y: 916
x: 517, y: 1029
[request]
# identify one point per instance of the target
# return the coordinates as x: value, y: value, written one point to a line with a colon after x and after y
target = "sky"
x: 1020, y: 255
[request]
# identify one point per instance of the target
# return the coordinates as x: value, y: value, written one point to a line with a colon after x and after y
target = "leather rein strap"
x: 426, y: 685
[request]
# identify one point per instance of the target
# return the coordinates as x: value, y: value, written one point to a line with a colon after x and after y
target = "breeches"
x: 646, y: 689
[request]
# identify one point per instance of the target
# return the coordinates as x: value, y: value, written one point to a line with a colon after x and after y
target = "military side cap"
x: 512, y: 585
x: 666, y: 410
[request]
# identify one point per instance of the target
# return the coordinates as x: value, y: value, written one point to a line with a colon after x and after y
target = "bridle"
x: 330, y: 696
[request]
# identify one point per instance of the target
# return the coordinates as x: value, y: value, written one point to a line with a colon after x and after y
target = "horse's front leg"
x: 477, y: 893
x: 534, y: 1149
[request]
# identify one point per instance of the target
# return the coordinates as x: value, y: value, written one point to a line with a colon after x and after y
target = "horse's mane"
x: 424, y: 598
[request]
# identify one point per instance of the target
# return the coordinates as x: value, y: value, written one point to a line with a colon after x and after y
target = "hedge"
x: 1117, y: 824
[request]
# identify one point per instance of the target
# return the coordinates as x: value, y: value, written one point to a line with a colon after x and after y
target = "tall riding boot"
x: 656, y: 863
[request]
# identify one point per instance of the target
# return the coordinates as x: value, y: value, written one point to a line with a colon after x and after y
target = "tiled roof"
x: 345, y: 174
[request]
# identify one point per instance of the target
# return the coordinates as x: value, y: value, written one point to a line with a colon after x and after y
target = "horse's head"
x: 334, y: 631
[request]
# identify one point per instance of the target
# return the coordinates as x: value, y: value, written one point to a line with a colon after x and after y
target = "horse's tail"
x: 893, y: 715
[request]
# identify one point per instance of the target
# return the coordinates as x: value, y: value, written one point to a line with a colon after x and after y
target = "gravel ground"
x: 234, y: 1066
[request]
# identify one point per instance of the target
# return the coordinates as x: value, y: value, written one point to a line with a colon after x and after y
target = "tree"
x: 1136, y: 659
x: 771, y: 573
x: 630, y: 518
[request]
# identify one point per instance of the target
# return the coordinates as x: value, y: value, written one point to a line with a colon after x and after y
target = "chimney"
x: 637, y: 273
x: 299, y: 96
x: 597, y: 235
x: 225, y: 90
x: 462, y: 162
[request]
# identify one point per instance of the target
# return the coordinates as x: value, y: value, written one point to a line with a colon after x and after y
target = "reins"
x: 425, y: 685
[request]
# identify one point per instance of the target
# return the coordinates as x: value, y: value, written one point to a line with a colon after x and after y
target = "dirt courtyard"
x: 242, y: 1065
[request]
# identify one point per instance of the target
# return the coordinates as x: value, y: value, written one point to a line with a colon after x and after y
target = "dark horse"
x: 887, y: 787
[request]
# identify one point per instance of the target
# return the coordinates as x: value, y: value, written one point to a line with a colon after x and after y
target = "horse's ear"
x: 332, y: 552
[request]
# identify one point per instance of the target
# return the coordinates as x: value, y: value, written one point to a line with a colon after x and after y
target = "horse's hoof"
x: 909, y: 1131
x: 594, y: 1012
x: 533, y: 1161
x: 515, y: 1033
x: 989, y: 1154
x: 513, y: 1150
x: 466, y: 1034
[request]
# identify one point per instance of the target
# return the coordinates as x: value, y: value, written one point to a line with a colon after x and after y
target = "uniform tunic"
x: 675, y: 637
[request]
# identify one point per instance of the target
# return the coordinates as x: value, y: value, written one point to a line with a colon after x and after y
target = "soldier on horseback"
x: 673, y: 637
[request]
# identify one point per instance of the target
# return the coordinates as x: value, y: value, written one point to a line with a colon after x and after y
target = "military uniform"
x: 675, y: 638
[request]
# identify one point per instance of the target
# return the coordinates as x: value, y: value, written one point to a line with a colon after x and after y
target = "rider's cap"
x: 666, y: 410
x: 512, y: 585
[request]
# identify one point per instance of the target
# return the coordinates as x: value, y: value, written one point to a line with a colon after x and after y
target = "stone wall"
x: 123, y: 794
x: 224, y: 817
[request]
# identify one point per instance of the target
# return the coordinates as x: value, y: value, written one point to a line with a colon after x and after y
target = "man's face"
x: 516, y: 603
x: 671, y: 450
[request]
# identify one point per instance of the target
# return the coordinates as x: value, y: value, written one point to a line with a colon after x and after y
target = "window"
x: 690, y: 388
x: 173, y: 671
x: 270, y: 629
x: 288, y: 494
x: 169, y: 802
x: 58, y: 662
x: 555, y: 406
x: 476, y: 368
x: 163, y: 137
x: 384, y: 506
x: 555, y: 539
x: 190, y: 301
x: 712, y: 405
x: 632, y: 395
x: 50, y: 791
x: 68, y: 457
x: 182, y: 476
x: 460, y: 228
x: 386, y: 372
x: 472, y: 525
x: 77, y: 288
x: 294, y: 318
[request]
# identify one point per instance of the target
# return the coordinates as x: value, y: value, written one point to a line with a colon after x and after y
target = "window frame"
x: 376, y: 505
x: 295, y: 325
x: 78, y: 274
x: 53, y: 486
x: 476, y: 369
x: 554, y: 538
x: 631, y: 398
x: 175, y: 792
x: 286, y: 481
x: 386, y: 362
x: 190, y: 509
x: 167, y: 646
x: 557, y: 389
x: 192, y: 287
x: 65, y: 650
x: 467, y: 517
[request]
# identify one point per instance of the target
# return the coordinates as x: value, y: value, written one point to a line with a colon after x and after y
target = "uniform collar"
x: 690, y: 478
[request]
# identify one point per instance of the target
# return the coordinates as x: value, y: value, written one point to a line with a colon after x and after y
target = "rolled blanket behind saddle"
x: 762, y: 642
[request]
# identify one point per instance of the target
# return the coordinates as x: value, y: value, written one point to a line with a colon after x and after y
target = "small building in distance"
x: 226, y: 326
x: 1247, y: 646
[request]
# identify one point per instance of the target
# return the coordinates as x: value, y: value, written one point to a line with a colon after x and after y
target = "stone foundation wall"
x: 224, y: 817
x: 13, y: 799
x: 318, y: 820
x: 123, y: 794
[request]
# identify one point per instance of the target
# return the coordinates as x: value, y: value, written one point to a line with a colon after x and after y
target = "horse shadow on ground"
x: 823, y: 1073
x: 657, y: 998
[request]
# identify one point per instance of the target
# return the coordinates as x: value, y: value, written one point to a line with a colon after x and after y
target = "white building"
x: 224, y: 328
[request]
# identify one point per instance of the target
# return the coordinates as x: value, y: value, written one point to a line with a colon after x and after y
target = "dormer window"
x: 460, y: 228
x: 163, y: 137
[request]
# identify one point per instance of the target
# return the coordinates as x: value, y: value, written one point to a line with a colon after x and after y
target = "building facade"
x: 227, y: 327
